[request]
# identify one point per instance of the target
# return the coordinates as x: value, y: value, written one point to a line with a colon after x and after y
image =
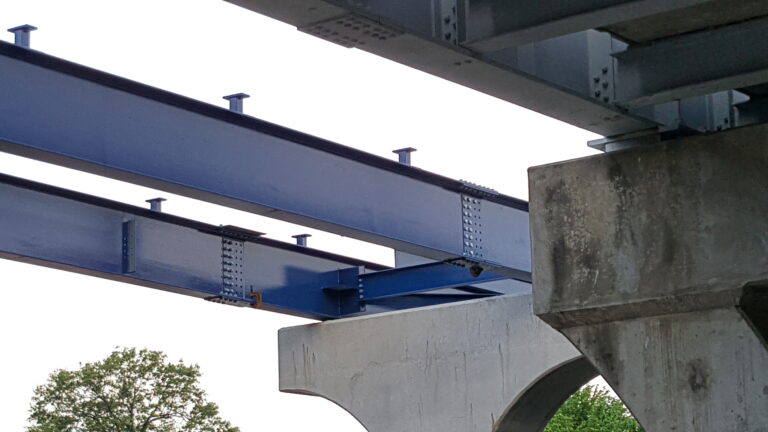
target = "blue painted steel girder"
x: 62, y: 229
x: 63, y: 113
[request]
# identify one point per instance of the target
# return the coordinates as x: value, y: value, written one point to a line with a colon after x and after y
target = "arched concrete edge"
x: 536, y: 405
x: 446, y: 368
x: 309, y: 393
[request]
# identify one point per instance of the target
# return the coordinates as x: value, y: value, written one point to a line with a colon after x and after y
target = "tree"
x: 129, y: 391
x: 592, y: 409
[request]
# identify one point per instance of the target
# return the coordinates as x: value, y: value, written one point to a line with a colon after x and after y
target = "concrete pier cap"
x: 482, y: 365
x: 653, y: 262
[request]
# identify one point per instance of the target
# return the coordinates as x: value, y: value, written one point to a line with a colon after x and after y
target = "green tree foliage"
x: 592, y: 409
x: 129, y: 391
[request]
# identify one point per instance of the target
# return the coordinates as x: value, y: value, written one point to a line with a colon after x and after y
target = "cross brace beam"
x: 734, y: 56
x: 408, y: 280
x: 498, y: 24
x: 63, y: 113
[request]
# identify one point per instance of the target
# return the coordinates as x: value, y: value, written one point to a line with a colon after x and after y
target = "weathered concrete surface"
x: 650, y: 261
x: 460, y: 367
x: 701, y: 371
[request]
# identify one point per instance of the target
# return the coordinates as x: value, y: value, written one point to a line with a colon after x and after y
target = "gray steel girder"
x: 428, y: 36
x: 557, y: 58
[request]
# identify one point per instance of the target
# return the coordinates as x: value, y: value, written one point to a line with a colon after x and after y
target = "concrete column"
x: 481, y: 365
x: 653, y: 262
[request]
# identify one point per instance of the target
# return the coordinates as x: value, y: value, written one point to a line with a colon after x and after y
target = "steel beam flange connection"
x: 472, y: 227
x: 232, y: 285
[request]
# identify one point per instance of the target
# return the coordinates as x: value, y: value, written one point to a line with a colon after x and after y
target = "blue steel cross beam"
x: 58, y: 228
x: 67, y: 114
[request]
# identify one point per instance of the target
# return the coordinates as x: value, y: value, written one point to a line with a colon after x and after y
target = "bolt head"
x: 239, y: 96
x: 23, y: 28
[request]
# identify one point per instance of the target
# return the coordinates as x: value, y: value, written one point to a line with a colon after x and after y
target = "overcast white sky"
x: 206, y: 49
